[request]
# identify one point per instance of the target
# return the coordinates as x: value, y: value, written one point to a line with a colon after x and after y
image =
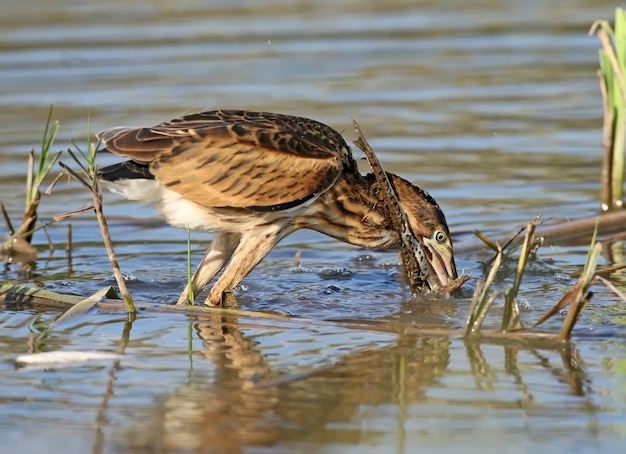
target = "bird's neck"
x: 351, y: 212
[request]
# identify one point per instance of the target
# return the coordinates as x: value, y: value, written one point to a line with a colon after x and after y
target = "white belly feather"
x: 184, y: 213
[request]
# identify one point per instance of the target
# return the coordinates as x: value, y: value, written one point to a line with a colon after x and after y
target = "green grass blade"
x: 591, y: 250
x: 79, y: 160
x: 190, y: 296
x: 619, y: 37
x: 481, y: 303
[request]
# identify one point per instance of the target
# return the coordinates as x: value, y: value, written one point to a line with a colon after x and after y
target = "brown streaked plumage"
x: 255, y: 177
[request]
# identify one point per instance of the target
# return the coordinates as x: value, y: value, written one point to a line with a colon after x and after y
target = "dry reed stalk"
x: 88, y: 178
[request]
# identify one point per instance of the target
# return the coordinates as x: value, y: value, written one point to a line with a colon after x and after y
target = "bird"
x: 252, y: 178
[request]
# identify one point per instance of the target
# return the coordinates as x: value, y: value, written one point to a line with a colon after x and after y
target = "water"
x: 493, y: 107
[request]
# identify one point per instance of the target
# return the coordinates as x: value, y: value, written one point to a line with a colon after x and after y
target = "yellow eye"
x: 440, y: 236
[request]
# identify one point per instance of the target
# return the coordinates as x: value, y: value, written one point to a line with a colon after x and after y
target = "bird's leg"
x: 252, y: 248
x: 222, y: 248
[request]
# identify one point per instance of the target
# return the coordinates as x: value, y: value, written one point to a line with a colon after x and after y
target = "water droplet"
x: 129, y: 277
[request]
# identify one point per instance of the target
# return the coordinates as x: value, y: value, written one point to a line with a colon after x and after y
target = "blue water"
x: 493, y: 107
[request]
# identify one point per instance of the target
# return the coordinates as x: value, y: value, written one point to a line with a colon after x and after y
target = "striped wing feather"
x: 237, y: 158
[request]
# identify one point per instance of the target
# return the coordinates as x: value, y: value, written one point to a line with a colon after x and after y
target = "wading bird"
x: 252, y: 178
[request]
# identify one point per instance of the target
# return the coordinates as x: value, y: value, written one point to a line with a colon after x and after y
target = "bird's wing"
x: 254, y: 160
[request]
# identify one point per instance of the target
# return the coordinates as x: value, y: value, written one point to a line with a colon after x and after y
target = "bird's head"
x: 429, y: 227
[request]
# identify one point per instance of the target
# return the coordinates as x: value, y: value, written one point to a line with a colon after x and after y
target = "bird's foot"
x: 229, y: 299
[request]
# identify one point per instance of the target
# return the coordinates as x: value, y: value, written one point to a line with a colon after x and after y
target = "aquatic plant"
x: 613, y: 88
x: 87, y: 176
x: 39, y: 166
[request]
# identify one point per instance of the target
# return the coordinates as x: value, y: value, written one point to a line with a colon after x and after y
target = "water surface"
x: 493, y: 107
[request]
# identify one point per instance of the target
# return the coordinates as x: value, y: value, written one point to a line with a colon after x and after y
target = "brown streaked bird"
x: 252, y: 178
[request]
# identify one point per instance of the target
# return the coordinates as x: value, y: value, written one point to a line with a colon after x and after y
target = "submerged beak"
x: 441, y: 261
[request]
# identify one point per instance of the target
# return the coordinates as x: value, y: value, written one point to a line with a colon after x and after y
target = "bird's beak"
x: 441, y: 261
